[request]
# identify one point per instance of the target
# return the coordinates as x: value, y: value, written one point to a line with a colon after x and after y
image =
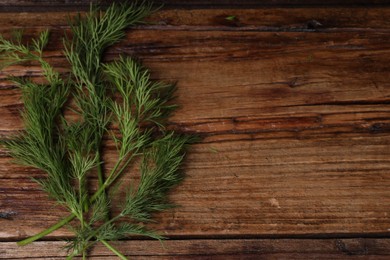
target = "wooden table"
x: 293, y: 102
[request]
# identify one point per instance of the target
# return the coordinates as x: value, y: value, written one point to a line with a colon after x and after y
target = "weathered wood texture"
x: 294, y: 108
x: 218, y: 249
x: 259, y: 19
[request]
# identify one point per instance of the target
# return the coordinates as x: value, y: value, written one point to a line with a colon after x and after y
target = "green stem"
x: 46, y: 231
x: 81, y: 202
x: 121, y: 256
x: 100, y: 170
x: 123, y: 167
x: 102, y: 181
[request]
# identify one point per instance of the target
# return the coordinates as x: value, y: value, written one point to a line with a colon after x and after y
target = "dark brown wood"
x: 295, y: 121
x: 217, y: 249
x: 64, y: 5
x: 259, y: 19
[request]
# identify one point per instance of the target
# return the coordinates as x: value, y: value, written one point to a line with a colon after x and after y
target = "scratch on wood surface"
x: 274, y: 202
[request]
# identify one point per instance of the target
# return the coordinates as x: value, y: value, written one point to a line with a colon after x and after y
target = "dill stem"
x: 121, y: 256
x: 129, y: 159
x: 100, y: 170
x: 124, y: 166
x: 115, y: 173
x: 81, y: 203
x: 99, y: 166
x: 46, y: 231
x: 101, y: 180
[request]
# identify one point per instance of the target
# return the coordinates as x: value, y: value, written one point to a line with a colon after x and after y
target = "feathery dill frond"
x: 98, y: 30
x: 132, y: 137
x: 38, y: 145
x: 123, y: 230
x: 159, y: 173
x: 13, y: 51
x: 16, y: 52
x: 100, y: 209
x: 91, y: 35
x: 80, y: 243
x: 146, y: 99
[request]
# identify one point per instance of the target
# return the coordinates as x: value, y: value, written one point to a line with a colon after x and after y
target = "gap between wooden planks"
x: 58, y: 5
x: 217, y: 249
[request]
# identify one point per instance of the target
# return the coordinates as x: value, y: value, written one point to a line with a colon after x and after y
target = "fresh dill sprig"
x: 118, y: 94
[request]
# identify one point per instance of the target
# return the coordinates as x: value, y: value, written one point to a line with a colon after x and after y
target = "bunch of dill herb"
x: 103, y: 94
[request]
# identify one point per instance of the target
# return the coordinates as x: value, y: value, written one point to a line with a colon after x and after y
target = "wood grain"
x: 328, y: 186
x: 217, y: 249
x: 259, y: 19
x: 295, y: 126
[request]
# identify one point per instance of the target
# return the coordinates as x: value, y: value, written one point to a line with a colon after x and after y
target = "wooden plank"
x: 277, y: 82
x: 365, y: 248
x: 250, y: 188
x: 60, y: 5
x: 259, y: 19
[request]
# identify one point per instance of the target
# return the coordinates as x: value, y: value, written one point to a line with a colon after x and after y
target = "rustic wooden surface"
x: 294, y: 107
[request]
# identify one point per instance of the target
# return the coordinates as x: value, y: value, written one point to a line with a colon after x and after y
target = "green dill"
x: 213, y: 149
x: 118, y: 93
x: 231, y: 18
